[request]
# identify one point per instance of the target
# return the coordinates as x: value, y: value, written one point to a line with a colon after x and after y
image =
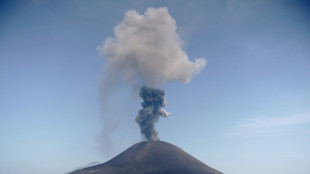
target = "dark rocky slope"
x: 156, y: 157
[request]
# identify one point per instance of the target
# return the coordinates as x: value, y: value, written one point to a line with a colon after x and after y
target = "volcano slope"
x: 157, y: 157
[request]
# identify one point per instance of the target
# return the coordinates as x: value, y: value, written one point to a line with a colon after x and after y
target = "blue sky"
x: 246, y: 112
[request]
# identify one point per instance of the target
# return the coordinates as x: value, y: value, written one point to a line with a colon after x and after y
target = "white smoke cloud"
x: 146, y: 50
x: 164, y: 113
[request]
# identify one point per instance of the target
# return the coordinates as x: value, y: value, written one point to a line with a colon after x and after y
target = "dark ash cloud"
x: 153, y: 101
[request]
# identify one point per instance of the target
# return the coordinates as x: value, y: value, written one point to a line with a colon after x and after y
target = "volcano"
x: 156, y: 157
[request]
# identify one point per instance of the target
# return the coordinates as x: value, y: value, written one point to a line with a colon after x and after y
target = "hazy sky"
x: 247, y: 112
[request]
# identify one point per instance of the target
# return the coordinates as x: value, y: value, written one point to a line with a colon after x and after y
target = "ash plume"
x: 153, y: 101
x: 145, y: 50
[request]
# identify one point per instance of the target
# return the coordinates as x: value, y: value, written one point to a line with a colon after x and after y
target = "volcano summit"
x: 156, y: 157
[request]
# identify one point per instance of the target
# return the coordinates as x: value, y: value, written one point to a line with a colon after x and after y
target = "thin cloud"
x: 268, y: 126
x: 265, y: 122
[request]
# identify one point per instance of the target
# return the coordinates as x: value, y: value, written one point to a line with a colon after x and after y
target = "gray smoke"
x: 153, y: 101
x: 146, y: 50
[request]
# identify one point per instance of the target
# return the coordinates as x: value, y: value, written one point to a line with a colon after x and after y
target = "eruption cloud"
x: 153, y: 100
x: 146, y: 50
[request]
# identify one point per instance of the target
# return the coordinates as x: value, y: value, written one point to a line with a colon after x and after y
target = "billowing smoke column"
x: 153, y: 100
x: 146, y: 50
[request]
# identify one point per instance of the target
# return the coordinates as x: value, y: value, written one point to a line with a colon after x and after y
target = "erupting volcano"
x: 146, y: 50
x: 156, y: 157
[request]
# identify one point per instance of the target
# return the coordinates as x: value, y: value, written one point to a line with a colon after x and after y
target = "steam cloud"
x: 146, y: 50
x: 153, y: 100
